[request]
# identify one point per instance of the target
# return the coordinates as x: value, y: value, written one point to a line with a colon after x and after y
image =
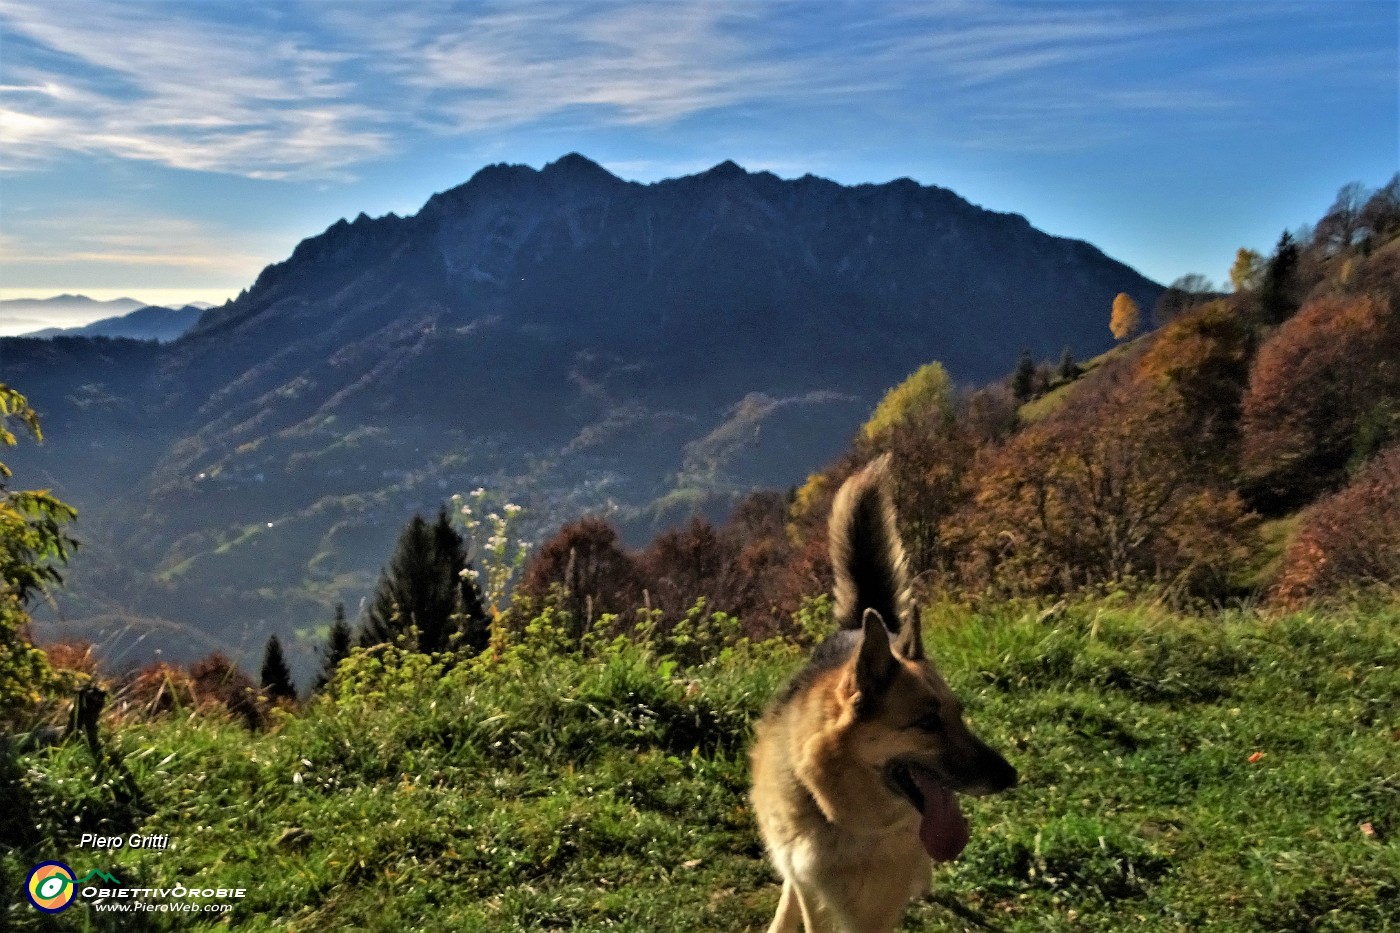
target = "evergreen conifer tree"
x: 1276, y: 296
x: 276, y: 676
x: 337, y: 647
x: 423, y: 588
x: 1068, y: 370
x: 1023, y: 379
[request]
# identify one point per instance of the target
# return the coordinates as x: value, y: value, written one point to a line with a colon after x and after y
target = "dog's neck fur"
x: 844, y: 795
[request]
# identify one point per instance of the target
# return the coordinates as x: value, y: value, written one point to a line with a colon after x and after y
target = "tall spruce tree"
x: 337, y: 647
x: 276, y: 676
x: 1023, y: 378
x: 1276, y: 293
x: 470, y: 613
x: 1068, y: 370
x: 423, y: 589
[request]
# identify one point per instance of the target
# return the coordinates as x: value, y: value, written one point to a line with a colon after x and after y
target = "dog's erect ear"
x: 909, y: 643
x: 876, y: 664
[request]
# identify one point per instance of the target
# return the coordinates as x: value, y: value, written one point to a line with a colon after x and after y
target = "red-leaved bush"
x: 213, y: 683
x: 590, y: 567
x: 77, y: 656
x: 1313, y: 386
x: 1349, y: 540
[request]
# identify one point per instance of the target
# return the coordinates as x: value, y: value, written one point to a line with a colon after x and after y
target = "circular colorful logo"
x: 50, y: 886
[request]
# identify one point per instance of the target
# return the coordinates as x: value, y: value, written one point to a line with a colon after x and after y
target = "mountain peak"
x: 726, y: 169
x: 575, y: 166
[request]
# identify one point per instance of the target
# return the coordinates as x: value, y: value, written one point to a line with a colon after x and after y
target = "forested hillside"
x: 1244, y: 450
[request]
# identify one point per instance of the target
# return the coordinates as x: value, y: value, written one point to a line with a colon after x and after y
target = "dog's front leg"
x: 789, y: 911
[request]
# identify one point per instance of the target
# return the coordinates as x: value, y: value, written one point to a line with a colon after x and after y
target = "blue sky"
x: 170, y: 150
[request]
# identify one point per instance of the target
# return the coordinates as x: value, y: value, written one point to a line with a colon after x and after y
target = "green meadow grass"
x: 1178, y: 773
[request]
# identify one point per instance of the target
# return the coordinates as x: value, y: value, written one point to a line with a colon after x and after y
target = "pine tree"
x: 337, y: 647
x: 1068, y: 370
x: 424, y: 589
x: 276, y: 676
x: 1276, y: 296
x: 1023, y: 379
x: 470, y: 614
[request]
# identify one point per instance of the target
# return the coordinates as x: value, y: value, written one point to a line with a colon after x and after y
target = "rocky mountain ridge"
x: 567, y: 338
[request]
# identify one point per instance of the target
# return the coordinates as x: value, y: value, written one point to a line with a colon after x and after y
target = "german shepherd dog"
x: 858, y: 761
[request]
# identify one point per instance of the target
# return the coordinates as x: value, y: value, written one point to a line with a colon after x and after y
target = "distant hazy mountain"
x: 568, y: 338
x: 149, y: 323
x: 22, y: 315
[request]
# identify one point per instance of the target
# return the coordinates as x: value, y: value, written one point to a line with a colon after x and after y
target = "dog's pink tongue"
x: 944, y: 828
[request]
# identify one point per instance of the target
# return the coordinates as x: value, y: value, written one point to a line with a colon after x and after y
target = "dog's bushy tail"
x: 867, y: 557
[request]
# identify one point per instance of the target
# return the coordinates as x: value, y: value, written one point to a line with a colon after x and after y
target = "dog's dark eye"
x: 930, y: 723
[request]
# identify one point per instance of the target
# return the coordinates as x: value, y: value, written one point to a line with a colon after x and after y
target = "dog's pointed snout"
x: 988, y: 773
x: 1008, y: 777
x: 998, y: 774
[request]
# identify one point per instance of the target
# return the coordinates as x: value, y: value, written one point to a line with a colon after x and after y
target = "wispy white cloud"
x: 640, y: 64
x: 126, y: 239
x: 139, y: 81
x: 315, y: 94
x: 312, y: 89
x: 1042, y: 78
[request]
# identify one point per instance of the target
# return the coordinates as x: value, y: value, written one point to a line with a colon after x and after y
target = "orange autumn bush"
x: 1122, y: 485
x: 1314, y: 385
x: 211, y: 684
x: 1348, y: 541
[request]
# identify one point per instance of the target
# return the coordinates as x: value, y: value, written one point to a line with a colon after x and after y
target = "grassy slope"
x: 1041, y: 408
x: 556, y: 794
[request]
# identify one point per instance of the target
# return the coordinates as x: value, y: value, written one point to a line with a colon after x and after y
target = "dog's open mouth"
x: 943, y: 829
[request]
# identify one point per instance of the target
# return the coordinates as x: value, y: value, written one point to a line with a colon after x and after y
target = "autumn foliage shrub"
x: 932, y: 455
x: 1349, y: 540
x: 741, y: 569
x: 933, y: 435
x: 1121, y: 485
x: 157, y: 688
x: 78, y: 657
x: 1313, y: 387
x: 1126, y: 482
x: 1199, y: 363
x: 693, y: 561
x: 212, y: 684
x: 736, y: 568
x: 587, y: 567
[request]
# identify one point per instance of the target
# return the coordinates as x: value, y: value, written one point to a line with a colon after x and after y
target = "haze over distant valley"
x: 65, y: 313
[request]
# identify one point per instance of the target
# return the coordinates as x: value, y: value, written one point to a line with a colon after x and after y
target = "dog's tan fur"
x: 840, y: 832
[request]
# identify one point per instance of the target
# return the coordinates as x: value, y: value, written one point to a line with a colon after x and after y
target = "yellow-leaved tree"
x: 927, y: 389
x: 32, y: 542
x: 1126, y: 317
x: 1247, y: 270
